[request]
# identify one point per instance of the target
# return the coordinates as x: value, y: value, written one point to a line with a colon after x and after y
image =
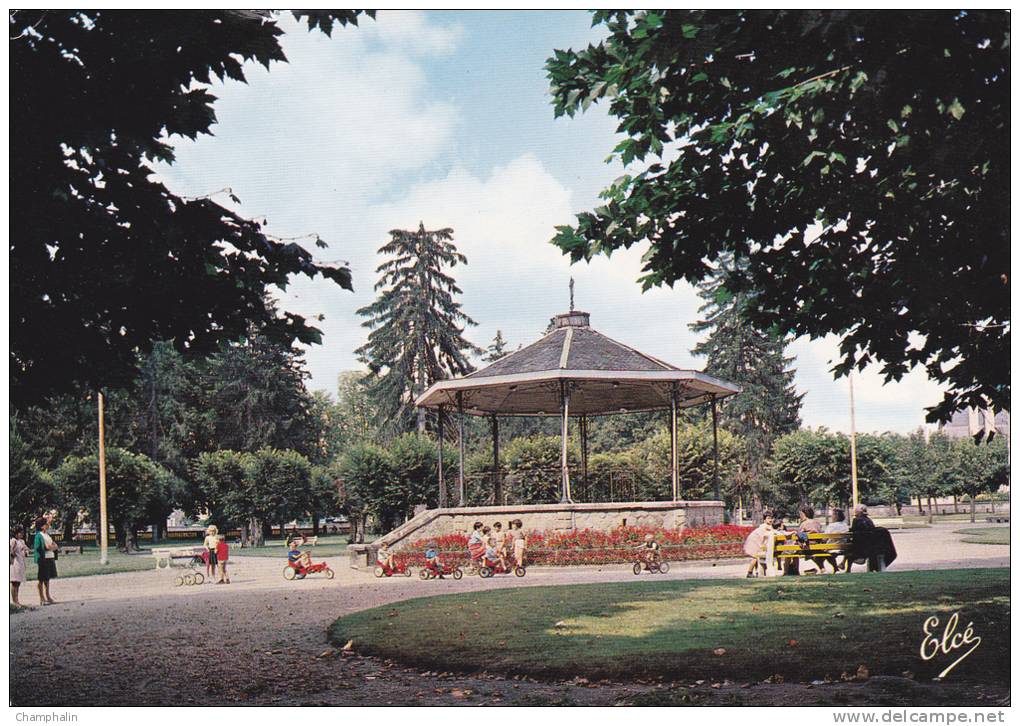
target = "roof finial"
x: 571, y: 294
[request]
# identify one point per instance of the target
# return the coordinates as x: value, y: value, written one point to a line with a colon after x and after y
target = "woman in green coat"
x: 45, y: 550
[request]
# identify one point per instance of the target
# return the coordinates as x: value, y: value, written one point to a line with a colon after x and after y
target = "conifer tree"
x: 417, y: 325
x: 736, y: 351
x: 497, y: 349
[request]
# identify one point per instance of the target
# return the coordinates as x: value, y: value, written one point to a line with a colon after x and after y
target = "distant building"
x: 972, y: 421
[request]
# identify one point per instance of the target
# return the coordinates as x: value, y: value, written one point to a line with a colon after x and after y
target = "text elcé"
x: 948, y: 641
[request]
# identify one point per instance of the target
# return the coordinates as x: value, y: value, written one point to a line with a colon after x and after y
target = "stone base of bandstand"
x: 604, y: 517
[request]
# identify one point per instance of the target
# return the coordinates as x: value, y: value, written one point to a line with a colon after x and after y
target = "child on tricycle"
x: 434, y: 568
x: 650, y: 557
x: 386, y: 566
x: 299, y: 565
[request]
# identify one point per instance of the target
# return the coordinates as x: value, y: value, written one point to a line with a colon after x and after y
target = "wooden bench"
x: 70, y: 550
x: 166, y: 555
x: 820, y: 548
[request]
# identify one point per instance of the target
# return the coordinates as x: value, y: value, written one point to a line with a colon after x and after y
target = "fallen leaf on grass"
x: 862, y: 673
x: 719, y: 651
x: 792, y: 643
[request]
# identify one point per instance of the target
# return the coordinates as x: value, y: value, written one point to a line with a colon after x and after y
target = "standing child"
x: 210, y: 542
x: 475, y: 545
x: 755, y: 544
x: 520, y: 542
x: 222, y: 555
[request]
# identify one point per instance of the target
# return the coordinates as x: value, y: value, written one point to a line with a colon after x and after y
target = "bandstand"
x: 573, y: 372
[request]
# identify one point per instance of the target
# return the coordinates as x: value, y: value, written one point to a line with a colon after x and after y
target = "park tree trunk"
x: 361, y: 531
x: 256, y: 534
x: 991, y: 500
x: 131, y: 539
x: 315, y: 524
x: 899, y: 509
x: 931, y: 512
x: 956, y: 504
x: 120, y: 533
x: 68, y: 533
x: 973, y: 505
x: 757, y: 515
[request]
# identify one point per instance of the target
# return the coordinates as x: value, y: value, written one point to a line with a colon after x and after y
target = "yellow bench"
x: 819, y: 547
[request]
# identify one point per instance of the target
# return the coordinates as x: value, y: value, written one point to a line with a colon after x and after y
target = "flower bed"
x: 595, y: 547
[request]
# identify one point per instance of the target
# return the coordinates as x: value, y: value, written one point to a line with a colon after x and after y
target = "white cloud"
x: 897, y: 406
x: 329, y: 130
x: 413, y: 31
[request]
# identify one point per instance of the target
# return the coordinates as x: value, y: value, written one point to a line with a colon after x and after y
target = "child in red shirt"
x: 222, y: 554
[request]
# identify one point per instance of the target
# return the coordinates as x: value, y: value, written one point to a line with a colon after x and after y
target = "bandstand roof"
x: 602, y: 376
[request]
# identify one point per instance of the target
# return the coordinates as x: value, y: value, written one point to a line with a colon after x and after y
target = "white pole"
x: 104, y: 527
x: 853, y: 444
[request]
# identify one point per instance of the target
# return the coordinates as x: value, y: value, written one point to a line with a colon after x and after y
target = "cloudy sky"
x: 444, y: 118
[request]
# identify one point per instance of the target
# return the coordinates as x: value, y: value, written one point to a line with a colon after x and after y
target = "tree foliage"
x: 417, y: 325
x: 31, y: 491
x: 812, y: 466
x: 106, y: 259
x: 851, y: 161
x: 139, y: 491
x: 255, y: 392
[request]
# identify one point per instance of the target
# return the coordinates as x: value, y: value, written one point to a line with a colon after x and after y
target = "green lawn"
x: 801, y: 628
x: 332, y: 545
x: 985, y: 535
x: 87, y: 563
x: 962, y: 516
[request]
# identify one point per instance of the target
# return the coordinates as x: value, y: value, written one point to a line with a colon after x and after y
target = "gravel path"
x: 134, y: 639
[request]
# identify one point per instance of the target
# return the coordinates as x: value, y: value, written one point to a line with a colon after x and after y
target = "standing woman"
x: 18, y: 552
x: 45, y: 550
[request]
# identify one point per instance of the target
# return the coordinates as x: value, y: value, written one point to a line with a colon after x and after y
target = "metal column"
x: 674, y: 465
x: 564, y: 466
x: 442, y: 479
x: 460, y: 448
x: 584, y: 456
x: 715, y: 446
x: 497, y: 483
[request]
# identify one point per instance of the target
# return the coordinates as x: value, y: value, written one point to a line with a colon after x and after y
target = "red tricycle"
x: 297, y: 569
x: 430, y: 571
x: 493, y: 567
x: 644, y: 562
x: 387, y: 571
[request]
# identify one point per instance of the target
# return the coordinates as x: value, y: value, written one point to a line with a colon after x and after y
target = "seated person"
x: 298, y: 558
x: 808, y: 526
x: 432, y: 559
x: 650, y: 549
x: 838, y: 525
x: 492, y: 555
x: 384, y: 558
